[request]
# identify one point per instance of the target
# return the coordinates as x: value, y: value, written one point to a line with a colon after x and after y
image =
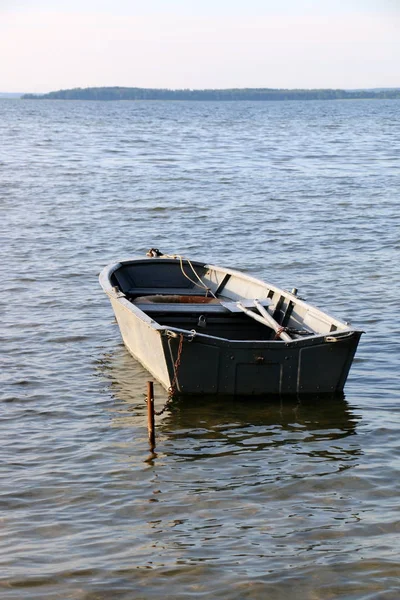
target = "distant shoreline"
x: 10, y: 95
x: 234, y: 94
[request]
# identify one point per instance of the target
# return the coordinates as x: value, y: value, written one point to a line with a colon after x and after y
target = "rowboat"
x: 201, y: 329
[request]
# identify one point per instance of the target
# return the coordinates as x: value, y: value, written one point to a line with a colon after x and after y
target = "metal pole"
x: 150, y: 414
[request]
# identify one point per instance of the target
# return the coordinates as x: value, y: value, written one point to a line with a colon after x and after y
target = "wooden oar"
x: 265, y: 319
x: 274, y: 324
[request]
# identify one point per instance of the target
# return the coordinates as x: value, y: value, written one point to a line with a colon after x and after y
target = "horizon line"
x: 375, y: 88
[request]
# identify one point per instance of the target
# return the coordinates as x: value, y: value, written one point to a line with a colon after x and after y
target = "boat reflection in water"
x: 190, y: 429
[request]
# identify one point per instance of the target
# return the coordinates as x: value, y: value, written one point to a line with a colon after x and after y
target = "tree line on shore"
x: 134, y: 93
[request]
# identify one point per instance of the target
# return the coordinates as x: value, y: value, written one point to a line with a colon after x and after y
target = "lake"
x: 241, y: 500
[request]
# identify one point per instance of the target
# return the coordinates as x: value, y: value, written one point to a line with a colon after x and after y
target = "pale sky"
x: 48, y: 45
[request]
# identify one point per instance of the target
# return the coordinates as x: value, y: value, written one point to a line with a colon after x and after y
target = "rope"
x: 177, y: 363
x: 278, y: 332
x: 172, y: 388
x: 164, y: 408
x: 201, y: 283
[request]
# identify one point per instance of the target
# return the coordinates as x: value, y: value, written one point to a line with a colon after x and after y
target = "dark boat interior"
x: 170, y: 293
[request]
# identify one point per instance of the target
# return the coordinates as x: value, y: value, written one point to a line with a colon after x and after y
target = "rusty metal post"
x: 150, y: 414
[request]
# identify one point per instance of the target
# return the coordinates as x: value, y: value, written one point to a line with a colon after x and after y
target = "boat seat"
x: 179, y: 304
x: 135, y: 292
x: 185, y: 309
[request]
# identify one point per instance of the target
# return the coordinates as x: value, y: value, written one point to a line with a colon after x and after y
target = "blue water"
x: 241, y: 501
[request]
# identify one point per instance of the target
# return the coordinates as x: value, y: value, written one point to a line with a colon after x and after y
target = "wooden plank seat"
x: 185, y: 309
x: 135, y: 292
x: 179, y: 304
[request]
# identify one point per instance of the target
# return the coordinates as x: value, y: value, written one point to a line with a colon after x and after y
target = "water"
x: 241, y: 501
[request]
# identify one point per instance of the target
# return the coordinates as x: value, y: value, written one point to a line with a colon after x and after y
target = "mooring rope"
x: 155, y: 252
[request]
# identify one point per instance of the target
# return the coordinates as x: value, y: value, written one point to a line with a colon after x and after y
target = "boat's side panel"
x: 219, y: 369
x: 227, y: 369
x: 199, y: 368
x: 324, y: 367
x: 142, y: 340
x: 235, y: 286
x: 319, y: 366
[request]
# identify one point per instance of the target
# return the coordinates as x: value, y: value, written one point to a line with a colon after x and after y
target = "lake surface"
x: 294, y: 499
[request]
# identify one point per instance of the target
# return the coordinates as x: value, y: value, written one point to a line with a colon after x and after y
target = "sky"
x: 49, y: 45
